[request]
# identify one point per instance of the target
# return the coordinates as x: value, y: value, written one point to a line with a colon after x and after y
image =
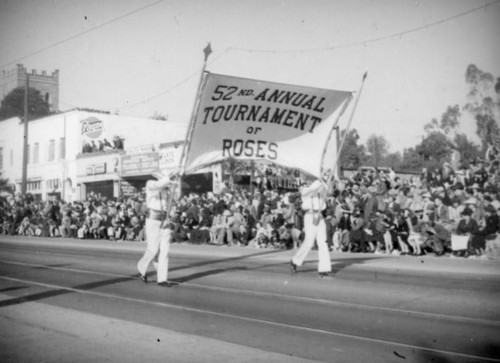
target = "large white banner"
x: 249, y: 119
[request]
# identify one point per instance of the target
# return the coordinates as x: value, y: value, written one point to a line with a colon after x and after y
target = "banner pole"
x: 186, y: 146
x: 350, y: 118
x: 335, y: 125
x: 207, y: 50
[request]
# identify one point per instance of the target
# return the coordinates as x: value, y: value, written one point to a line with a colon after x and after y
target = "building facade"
x: 48, y: 85
x: 123, y: 154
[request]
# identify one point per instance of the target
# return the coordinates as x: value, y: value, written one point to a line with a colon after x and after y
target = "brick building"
x: 48, y: 85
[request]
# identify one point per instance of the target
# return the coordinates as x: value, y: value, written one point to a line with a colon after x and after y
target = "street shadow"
x: 229, y: 259
x: 489, y: 350
x: 337, y: 265
x: 199, y: 275
x: 63, y: 291
x: 94, y: 285
x: 14, y: 288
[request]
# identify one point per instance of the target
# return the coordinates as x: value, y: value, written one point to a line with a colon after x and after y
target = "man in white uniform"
x: 313, y: 203
x: 158, y: 231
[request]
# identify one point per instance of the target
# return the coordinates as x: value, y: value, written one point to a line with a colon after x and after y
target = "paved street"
x: 70, y: 300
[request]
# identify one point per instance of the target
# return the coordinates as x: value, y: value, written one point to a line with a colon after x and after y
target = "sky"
x: 138, y: 58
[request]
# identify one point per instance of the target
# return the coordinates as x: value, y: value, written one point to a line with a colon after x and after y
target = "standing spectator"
x: 107, y: 145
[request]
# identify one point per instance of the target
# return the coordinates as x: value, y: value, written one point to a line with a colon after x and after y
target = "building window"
x: 28, y: 154
x: 1, y: 158
x: 35, y: 153
x: 62, y: 148
x: 33, y: 186
x: 53, y: 184
x: 52, y: 150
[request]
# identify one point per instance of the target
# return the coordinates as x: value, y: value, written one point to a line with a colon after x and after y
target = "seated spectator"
x: 341, y: 235
x: 400, y: 232
x: 438, y: 239
x: 261, y: 238
x: 486, y: 231
x: 84, y: 230
x: 235, y: 227
x: 415, y: 239
x: 216, y: 228
x: 466, y: 226
x: 357, y: 235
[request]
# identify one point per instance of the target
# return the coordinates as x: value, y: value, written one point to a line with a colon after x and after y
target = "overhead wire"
x: 53, y: 45
x: 364, y: 42
x: 173, y: 87
x: 232, y: 48
x: 367, y: 41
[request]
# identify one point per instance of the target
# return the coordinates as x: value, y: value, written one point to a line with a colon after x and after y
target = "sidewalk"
x: 366, y: 261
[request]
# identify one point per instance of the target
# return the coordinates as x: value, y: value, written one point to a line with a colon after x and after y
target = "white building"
x: 57, y: 165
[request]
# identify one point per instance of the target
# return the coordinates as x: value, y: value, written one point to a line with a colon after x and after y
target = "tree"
x: 435, y: 149
x: 467, y: 149
x: 351, y: 155
x: 393, y: 160
x: 483, y: 103
x: 412, y: 160
x: 378, y: 148
x: 13, y: 104
x: 448, y: 124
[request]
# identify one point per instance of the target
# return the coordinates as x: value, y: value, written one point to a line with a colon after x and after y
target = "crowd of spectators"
x: 442, y: 212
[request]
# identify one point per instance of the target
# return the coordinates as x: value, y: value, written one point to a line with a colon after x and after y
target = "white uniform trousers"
x: 313, y: 233
x: 158, y: 243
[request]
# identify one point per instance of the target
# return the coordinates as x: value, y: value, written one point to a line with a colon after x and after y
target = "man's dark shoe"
x: 325, y: 275
x: 144, y: 278
x: 165, y: 284
x: 293, y: 267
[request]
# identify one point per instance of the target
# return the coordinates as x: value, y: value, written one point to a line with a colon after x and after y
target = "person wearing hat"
x: 480, y: 175
x: 314, y: 199
x: 488, y: 231
x: 371, y: 204
x: 267, y: 216
x: 466, y: 226
x: 439, y: 238
x: 441, y: 212
x: 159, y: 196
x: 344, y: 226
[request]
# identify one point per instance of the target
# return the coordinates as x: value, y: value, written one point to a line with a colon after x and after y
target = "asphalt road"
x: 64, y: 300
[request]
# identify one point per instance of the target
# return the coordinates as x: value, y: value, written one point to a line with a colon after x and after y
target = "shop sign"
x: 92, y: 127
x: 169, y: 158
x: 140, y: 164
x: 95, y: 169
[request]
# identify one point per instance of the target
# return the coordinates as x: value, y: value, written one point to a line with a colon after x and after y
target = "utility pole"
x: 25, y: 144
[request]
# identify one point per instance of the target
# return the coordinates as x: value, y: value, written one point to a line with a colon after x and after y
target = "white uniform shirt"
x: 314, y: 196
x: 156, y: 193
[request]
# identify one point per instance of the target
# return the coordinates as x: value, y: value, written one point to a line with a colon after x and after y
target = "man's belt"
x: 157, y: 215
x: 317, y: 216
